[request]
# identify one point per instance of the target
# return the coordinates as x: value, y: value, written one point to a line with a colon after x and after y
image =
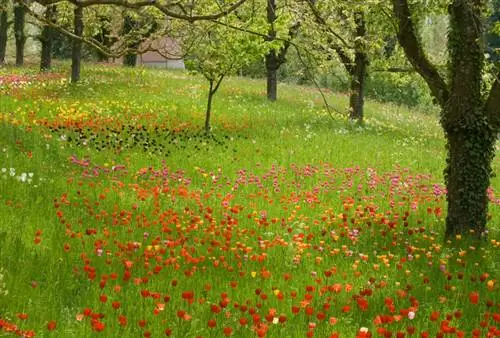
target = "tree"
x: 470, y: 117
x: 355, y: 65
x: 47, y: 38
x: 171, y: 10
x: 277, y: 56
x: 220, y: 51
x: 104, y: 35
x: 129, y: 23
x: 19, y: 19
x: 76, y: 53
x: 4, y: 27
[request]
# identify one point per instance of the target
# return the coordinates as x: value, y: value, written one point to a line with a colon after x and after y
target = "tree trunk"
x: 76, y: 55
x: 19, y: 16
x: 47, y: 38
x: 130, y: 59
x: 470, y: 153
x: 272, y: 75
x: 358, y: 76
x: 211, y: 93
x: 271, y: 57
x: 4, y: 26
x: 469, y: 135
x: 469, y: 121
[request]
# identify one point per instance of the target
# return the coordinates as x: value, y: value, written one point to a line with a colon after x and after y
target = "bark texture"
x: 468, y: 132
x: 358, y: 72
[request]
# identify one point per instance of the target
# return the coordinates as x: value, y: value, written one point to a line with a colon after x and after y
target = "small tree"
x: 220, y: 51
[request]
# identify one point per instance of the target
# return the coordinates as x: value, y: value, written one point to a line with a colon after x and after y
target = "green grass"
x: 306, y: 192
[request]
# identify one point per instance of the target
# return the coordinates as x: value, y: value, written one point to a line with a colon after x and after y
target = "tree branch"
x: 165, y: 9
x: 323, y: 22
x: 293, y: 31
x: 414, y: 52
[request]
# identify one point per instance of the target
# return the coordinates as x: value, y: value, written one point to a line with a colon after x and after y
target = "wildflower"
x: 474, y: 297
x: 51, y: 326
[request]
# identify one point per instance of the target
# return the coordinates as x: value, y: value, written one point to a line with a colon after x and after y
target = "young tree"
x: 220, y: 51
x: 470, y: 117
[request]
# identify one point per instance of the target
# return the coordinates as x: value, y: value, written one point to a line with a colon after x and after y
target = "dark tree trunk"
x: 214, y: 86
x: 130, y: 59
x: 470, y: 138
x: 19, y: 18
x: 209, y: 106
x: 470, y: 122
x: 4, y: 26
x: 271, y: 58
x: 272, y: 75
x: 104, y: 38
x: 76, y: 54
x: 47, y: 39
x: 358, y: 76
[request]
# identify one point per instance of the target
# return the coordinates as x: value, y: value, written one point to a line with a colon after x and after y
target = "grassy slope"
x: 294, y: 130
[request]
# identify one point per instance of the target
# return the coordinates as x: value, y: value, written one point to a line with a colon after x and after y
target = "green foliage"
x: 403, y: 88
x: 216, y: 50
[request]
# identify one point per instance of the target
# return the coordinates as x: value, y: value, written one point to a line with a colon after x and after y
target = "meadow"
x: 119, y: 217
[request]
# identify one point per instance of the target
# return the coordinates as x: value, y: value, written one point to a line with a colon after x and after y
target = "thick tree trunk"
x: 19, y: 18
x: 470, y: 122
x: 47, y: 38
x: 470, y: 153
x: 272, y: 75
x: 211, y: 93
x: 76, y: 55
x: 470, y: 137
x: 4, y: 26
x: 358, y: 76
